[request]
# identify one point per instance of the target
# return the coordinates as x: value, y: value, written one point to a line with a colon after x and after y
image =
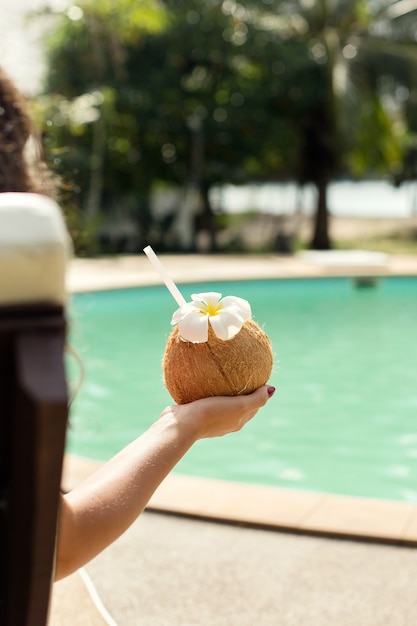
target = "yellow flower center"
x: 211, y: 309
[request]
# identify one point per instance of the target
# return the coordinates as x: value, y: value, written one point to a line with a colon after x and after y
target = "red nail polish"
x: 271, y: 391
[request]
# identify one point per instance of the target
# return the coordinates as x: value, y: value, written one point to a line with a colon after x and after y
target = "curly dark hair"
x: 22, y: 167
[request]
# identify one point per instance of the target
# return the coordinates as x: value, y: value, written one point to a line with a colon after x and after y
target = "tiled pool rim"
x: 259, y: 506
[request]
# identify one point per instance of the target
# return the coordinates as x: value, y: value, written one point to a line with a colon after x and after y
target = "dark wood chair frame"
x: 33, y: 422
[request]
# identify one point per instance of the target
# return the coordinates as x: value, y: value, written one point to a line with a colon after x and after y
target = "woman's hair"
x: 22, y: 168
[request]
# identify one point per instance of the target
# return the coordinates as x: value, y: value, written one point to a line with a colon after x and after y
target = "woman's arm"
x: 101, y: 508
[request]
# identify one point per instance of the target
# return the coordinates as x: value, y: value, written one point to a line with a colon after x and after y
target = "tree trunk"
x: 143, y: 215
x: 96, y: 169
x: 206, y: 221
x: 184, y: 223
x: 321, y: 239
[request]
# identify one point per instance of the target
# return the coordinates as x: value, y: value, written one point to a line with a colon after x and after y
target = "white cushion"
x: 365, y: 259
x: 34, y: 249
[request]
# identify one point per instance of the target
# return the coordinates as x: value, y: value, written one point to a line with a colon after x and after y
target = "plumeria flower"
x: 225, y: 315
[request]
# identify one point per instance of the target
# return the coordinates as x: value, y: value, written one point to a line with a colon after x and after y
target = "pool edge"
x: 108, y: 273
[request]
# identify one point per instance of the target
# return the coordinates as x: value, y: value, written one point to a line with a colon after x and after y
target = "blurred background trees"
x: 145, y: 96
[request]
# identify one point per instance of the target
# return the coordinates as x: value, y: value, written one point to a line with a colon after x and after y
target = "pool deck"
x: 132, y: 271
x: 308, y: 516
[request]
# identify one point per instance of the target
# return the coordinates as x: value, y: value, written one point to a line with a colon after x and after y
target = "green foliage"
x: 368, y: 156
x: 202, y: 92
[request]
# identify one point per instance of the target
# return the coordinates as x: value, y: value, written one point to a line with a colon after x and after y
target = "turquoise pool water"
x: 343, y: 419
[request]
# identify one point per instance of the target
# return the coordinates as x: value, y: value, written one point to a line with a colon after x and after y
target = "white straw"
x: 172, y: 287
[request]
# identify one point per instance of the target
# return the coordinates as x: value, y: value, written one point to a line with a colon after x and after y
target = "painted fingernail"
x: 271, y: 391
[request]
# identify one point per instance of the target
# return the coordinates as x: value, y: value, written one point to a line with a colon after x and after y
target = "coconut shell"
x: 217, y: 367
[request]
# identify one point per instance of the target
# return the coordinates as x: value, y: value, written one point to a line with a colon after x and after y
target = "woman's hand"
x: 219, y: 415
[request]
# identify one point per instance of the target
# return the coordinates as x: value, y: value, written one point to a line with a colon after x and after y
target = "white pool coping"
x: 135, y: 270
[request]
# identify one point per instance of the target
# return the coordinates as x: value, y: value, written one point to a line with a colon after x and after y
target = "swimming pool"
x: 343, y: 420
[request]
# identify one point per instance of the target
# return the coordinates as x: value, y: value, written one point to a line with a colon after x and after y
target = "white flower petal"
x: 239, y: 303
x: 183, y: 311
x: 226, y: 324
x: 210, y: 298
x: 194, y: 327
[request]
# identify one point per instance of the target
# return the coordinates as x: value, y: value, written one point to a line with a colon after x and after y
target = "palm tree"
x: 347, y: 40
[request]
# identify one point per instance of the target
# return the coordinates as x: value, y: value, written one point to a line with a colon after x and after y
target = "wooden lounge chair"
x: 33, y: 401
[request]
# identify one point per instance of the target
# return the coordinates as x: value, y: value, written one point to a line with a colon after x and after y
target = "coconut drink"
x: 215, y: 347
